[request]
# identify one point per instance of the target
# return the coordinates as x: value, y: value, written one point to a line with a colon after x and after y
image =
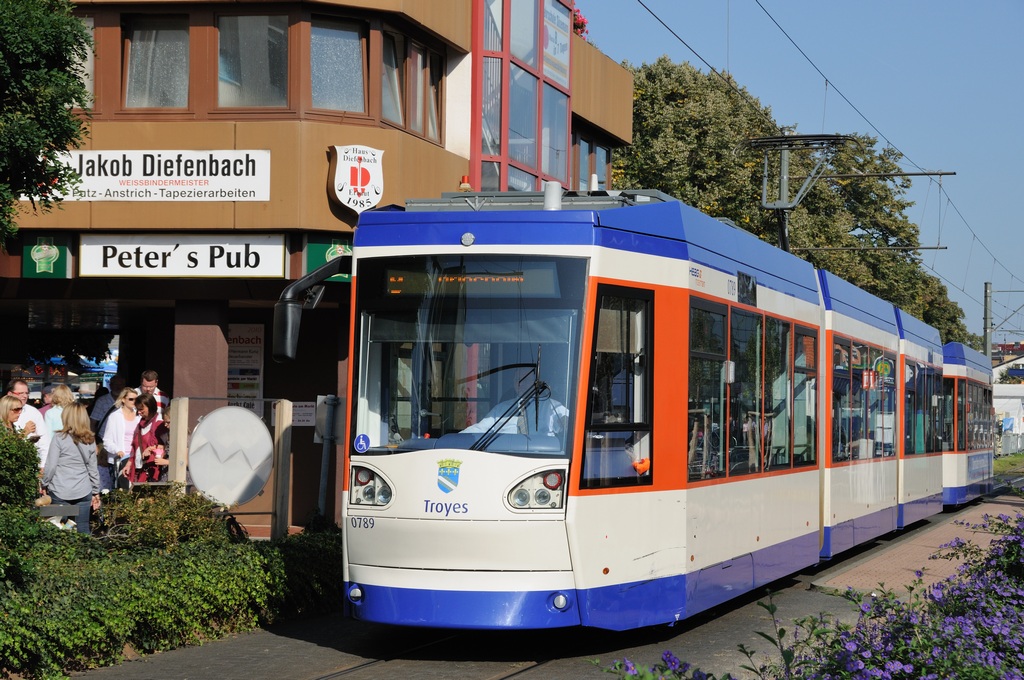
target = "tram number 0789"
x: 361, y: 522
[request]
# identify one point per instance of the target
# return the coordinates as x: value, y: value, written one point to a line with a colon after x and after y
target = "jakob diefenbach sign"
x: 356, y: 176
x: 171, y: 175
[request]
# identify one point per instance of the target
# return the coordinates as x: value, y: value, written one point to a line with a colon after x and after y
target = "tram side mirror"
x: 287, y: 317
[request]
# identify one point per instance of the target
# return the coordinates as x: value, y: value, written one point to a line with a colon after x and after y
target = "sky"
x: 941, y: 80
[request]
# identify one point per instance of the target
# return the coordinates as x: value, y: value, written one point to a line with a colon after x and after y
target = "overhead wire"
x: 829, y: 82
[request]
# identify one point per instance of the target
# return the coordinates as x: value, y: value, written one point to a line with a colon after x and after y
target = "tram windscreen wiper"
x: 532, y: 393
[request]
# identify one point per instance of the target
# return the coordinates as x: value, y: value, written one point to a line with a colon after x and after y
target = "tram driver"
x: 532, y: 411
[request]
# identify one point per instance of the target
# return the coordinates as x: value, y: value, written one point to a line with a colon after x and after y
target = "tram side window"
x: 618, y: 440
x: 987, y: 418
x: 860, y: 442
x: 843, y: 412
x: 961, y: 415
x: 882, y: 400
x: 745, y: 394
x: 948, y: 401
x: 805, y: 397
x: 936, y: 422
x: 776, y: 422
x: 979, y: 417
x: 912, y: 414
x: 708, y: 374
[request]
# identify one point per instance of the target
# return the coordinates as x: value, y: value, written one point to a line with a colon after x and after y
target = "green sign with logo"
x: 46, y: 257
x: 320, y: 249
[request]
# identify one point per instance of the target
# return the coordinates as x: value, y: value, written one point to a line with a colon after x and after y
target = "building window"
x: 522, y: 113
x: 392, y: 79
x: 592, y: 158
x: 602, y: 160
x: 492, y: 25
x: 523, y: 33
x: 88, y: 65
x: 157, y: 61
x: 337, y: 66
x: 490, y: 176
x: 256, y: 67
x: 411, y: 86
x: 490, y: 141
x: 253, y: 61
x: 557, y: 29
x: 525, y: 99
x: 520, y: 180
x: 583, y: 165
x: 555, y: 142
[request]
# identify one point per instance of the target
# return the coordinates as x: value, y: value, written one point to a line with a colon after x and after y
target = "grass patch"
x: 1006, y: 464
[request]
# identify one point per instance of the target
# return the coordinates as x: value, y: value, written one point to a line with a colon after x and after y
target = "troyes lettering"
x: 433, y: 507
x: 214, y: 256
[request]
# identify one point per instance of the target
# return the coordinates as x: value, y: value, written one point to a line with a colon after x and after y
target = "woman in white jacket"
x: 117, y: 436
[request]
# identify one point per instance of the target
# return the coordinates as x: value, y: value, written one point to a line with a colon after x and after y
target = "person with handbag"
x: 118, y: 428
x: 70, y: 475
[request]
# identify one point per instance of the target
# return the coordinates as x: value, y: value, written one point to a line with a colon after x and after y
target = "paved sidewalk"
x: 895, y: 565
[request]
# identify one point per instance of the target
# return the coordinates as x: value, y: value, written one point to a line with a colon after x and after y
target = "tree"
x: 1006, y: 379
x: 690, y: 139
x: 42, y: 49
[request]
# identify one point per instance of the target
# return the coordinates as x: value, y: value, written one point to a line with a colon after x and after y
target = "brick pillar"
x: 200, y: 349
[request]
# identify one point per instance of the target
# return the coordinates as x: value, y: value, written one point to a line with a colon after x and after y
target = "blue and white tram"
x: 968, y: 433
x: 859, y: 499
x: 615, y: 413
x: 920, y: 430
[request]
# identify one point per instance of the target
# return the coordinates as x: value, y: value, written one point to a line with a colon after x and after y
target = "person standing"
x: 10, y: 411
x: 47, y: 399
x: 60, y: 398
x: 104, y: 404
x: 147, y: 462
x: 70, y: 475
x: 30, y: 421
x: 118, y: 435
x: 150, y: 381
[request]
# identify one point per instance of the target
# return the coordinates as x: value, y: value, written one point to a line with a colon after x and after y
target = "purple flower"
x: 671, y: 661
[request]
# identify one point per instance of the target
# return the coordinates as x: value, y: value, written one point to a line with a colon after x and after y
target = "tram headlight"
x: 540, y: 491
x: 368, y: 488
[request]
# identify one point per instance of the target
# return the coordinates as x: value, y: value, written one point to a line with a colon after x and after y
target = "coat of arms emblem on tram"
x: 448, y: 474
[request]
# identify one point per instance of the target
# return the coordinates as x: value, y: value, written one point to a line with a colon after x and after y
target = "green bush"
x: 166, y: 569
x: 306, y: 572
x: 19, y: 469
x: 160, y: 517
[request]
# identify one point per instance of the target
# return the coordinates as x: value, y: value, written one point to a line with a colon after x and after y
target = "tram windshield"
x: 467, y: 352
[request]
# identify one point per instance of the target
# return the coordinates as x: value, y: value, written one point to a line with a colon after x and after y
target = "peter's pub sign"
x: 356, y: 177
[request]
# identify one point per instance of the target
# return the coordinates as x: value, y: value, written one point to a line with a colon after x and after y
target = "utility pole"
x: 989, y: 328
x: 988, y: 321
x: 784, y: 145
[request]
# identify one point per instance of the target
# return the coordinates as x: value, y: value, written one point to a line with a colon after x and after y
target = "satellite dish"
x: 231, y: 455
